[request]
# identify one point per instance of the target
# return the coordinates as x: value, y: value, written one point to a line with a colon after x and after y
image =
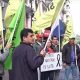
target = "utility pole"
x: 29, y: 12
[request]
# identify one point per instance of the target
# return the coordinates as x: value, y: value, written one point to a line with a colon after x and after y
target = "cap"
x: 46, y: 33
x: 72, y: 37
x: 39, y: 35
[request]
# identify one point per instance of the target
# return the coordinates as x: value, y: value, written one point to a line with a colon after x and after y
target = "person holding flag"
x: 3, y: 56
x: 47, y: 74
x: 25, y: 61
x: 55, y: 46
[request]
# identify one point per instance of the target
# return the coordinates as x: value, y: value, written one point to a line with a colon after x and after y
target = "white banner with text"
x: 52, y: 61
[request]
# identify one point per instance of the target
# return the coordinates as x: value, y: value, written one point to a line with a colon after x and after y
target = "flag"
x: 68, y: 31
x: 11, y: 10
x: 48, y: 17
x: 17, y: 24
x: 55, y: 24
x: 53, y: 27
x: 62, y: 29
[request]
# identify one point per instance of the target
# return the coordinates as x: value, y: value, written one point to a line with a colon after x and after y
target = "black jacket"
x: 25, y: 63
x: 66, y: 53
x: 55, y: 48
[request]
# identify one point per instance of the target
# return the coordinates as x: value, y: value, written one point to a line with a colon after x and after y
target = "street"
x: 61, y: 77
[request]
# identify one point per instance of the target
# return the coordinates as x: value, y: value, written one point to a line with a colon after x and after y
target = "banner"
x: 75, y: 12
x: 48, y: 17
x: 52, y: 61
x: 37, y: 14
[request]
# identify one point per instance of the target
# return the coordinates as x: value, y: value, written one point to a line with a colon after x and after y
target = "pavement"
x: 6, y: 75
x: 61, y: 77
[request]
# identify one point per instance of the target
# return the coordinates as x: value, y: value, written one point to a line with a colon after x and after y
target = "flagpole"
x: 59, y: 34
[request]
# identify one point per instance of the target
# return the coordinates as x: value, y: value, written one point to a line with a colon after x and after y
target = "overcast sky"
x: 75, y: 11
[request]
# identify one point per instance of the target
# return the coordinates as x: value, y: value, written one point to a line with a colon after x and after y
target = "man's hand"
x: 8, y: 45
x: 43, y: 53
x: 64, y: 65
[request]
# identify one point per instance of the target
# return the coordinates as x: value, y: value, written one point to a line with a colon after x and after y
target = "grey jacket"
x: 3, y: 57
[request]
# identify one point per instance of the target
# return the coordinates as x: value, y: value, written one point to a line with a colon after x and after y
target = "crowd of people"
x: 29, y: 56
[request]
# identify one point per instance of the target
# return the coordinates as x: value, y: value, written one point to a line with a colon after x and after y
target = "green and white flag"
x: 17, y: 24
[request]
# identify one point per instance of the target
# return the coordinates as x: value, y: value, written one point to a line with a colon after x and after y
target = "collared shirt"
x: 72, y: 54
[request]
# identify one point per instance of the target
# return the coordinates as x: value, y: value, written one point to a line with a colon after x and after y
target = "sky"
x: 75, y: 12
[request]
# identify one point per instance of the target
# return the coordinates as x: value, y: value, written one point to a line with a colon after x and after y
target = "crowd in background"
x: 29, y: 56
x: 70, y: 57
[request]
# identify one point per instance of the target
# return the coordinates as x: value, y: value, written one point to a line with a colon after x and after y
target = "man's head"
x: 54, y: 40
x: 49, y: 43
x: 39, y: 37
x: 72, y: 41
x: 27, y: 36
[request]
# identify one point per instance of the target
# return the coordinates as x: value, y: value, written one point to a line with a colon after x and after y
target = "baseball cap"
x: 72, y: 37
x: 39, y: 35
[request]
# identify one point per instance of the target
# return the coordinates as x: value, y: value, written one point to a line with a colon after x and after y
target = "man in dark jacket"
x: 70, y: 54
x: 24, y: 60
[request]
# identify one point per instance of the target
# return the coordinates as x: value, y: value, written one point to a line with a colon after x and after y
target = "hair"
x: 54, y: 37
x: 72, y: 38
x: 24, y: 33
